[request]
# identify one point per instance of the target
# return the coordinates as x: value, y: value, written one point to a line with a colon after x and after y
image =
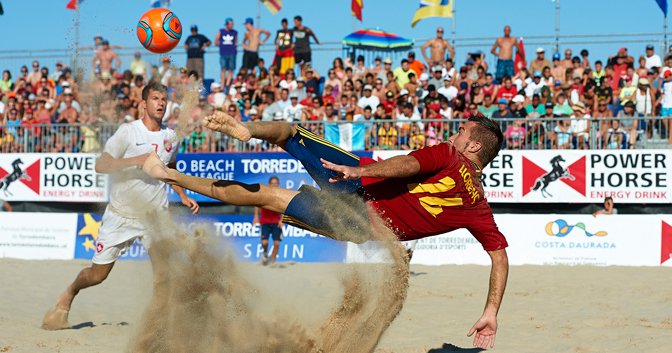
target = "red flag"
x: 357, y: 6
x: 519, y: 61
x: 73, y: 4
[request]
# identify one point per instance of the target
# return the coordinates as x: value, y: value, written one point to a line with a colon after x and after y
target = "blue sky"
x: 51, y: 27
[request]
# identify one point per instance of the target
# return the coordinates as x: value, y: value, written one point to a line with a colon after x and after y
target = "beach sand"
x: 546, y: 309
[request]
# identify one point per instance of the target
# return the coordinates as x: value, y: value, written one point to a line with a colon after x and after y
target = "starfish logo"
x: 88, y: 227
x: 227, y: 39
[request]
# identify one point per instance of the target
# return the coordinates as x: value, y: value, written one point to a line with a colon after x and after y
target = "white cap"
x: 253, y: 111
x: 518, y: 99
x: 447, y: 78
x: 67, y: 91
x: 48, y: 105
x: 215, y: 85
x: 540, y: 50
x: 403, y: 91
x: 424, y: 77
x: 128, y: 118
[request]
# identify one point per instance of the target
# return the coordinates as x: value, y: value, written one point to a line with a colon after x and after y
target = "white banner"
x: 575, y: 176
x: 38, y: 236
x: 62, y: 177
x: 622, y: 240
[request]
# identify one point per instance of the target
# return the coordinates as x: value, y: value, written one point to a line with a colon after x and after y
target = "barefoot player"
x: 132, y: 194
x: 431, y: 191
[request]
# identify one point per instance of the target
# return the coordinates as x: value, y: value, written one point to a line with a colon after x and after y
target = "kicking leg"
x: 57, y: 317
x: 274, y: 132
x: 234, y: 193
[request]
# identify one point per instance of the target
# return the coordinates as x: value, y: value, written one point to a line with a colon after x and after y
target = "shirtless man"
x: 105, y: 57
x: 438, y: 47
x: 251, y: 43
x: 505, y: 54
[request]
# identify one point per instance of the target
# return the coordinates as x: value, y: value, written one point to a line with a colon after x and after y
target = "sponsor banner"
x: 249, y: 168
x: 37, y: 236
x: 61, y: 177
x: 623, y: 240
x: 237, y: 233
x: 575, y: 176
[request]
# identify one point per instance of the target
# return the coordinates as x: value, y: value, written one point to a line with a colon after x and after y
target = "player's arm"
x: 494, y: 47
x: 186, y: 200
x: 395, y: 167
x: 486, y: 327
x: 312, y: 34
x: 246, y: 40
x: 423, y: 49
x: 451, y: 50
x: 117, y: 61
x: 268, y: 36
x: 107, y: 164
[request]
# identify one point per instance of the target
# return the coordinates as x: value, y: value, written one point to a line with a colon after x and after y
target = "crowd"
x: 549, y: 101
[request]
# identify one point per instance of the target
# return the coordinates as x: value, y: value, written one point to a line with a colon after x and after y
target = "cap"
x: 389, y: 94
x: 557, y: 83
x: 215, y: 85
x: 649, y: 47
x: 537, y: 74
x: 667, y: 73
x: 475, y: 85
x: 540, y: 50
x: 119, y: 76
x: 293, y: 95
x: 65, y: 84
x: 121, y: 96
x: 387, y: 61
x: 29, y: 111
x: 622, y: 51
x: 447, y: 78
x: 556, y: 56
x: 137, y: 54
x: 438, y: 68
x: 128, y: 118
x: 502, y: 101
x: 477, y: 52
x: 565, y: 86
x: 629, y: 104
x: 464, y: 85
x: 106, y: 42
x: 548, y: 105
x: 424, y: 76
x: 643, y: 81
x: 403, y: 92
x: 194, y: 28
x: 579, y: 108
x: 300, y: 79
x: 367, y: 87
x: 228, y: 19
x: 32, y: 97
x: 67, y: 91
x: 469, y: 61
x: 576, y: 75
x: 518, y: 99
x: 278, y: 114
x: 253, y: 111
x: 249, y: 20
x: 184, y: 69
x: 48, y: 105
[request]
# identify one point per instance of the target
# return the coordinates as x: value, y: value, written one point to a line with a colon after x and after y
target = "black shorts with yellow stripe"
x: 337, y: 207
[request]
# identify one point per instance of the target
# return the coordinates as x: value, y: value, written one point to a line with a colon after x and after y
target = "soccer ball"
x: 159, y: 30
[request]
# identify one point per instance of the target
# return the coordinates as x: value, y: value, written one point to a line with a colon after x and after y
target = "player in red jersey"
x: 271, y: 227
x: 431, y: 191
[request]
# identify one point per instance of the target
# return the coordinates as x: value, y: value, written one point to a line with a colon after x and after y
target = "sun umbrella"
x: 375, y: 39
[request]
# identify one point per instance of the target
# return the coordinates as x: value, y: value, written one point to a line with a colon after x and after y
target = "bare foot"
x: 222, y: 122
x: 56, y: 319
x: 155, y: 168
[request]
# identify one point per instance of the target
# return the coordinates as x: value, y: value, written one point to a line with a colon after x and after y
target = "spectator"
x: 289, y: 82
x: 652, y: 60
x: 518, y: 107
x: 506, y: 91
x: 558, y: 70
x: 608, y: 207
x: 416, y: 65
x: 616, y: 136
x: 401, y: 73
x: 563, y: 135
x: 271, y: 227
x: 251, y: 42
x: 581, y: 126
x: 437, y: 49
x: 284, y: 48
x: 502, y: 111
x: 105, y: 58
x: 368, y: 99
x: 302, y: 34
x: 505, y: 45
x: 535, y: 109
x: 313, y: 81
x: 562, y: 108
x: 195, y: 46
x: 417, y: 138
x: 666, y: 102
x: 387, y: 136
x: 487, y: 109
x: 540, y: 62
x: 138, y: 65
x: 34, y: 75
x: 567, y: 61
x: 293, y: 111
x: 448, y: 90
x: 515, y: 135
x: 436, y: 79
x: 643, y: 97
x: 629, y: 122
x: 6, y: 84
x: 227, y: 40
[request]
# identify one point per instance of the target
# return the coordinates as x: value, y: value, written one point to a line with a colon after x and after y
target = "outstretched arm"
x: 486, y: 327
x: 395, y: 167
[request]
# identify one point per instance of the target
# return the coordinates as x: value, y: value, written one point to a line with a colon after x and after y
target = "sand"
x: 546, y: 309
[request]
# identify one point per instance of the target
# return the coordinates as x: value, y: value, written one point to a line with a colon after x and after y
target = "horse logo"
x: 558, y: 172
x: 15, y: 175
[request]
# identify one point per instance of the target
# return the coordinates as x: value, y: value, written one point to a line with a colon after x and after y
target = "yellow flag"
x: 433, y: 8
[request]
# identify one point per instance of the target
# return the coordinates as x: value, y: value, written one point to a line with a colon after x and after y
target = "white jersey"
x: 132, y: 190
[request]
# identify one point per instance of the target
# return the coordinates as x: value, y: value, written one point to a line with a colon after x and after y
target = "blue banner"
x: 236, y: 232
x: 663, y: 6
x: 249, y: 168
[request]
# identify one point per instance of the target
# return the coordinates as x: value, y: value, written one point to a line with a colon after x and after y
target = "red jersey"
x: 269, y: 217
x: 444, y: 196
x: 506, y: 93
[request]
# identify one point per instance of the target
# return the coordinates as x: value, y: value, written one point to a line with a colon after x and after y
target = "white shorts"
x: 115, y: 237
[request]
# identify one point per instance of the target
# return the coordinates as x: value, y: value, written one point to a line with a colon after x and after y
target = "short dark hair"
x: 153, y: 86
x: 404, y: 61
x: 608, y: 198
x: 298, y: 18
x: 273, y: 178
x: 490, y: 136
x: 284, y: 20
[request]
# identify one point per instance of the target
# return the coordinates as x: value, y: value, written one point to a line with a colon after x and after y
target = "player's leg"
x: 234, y: 193
x: 265, y: 233
x: 277, y: 237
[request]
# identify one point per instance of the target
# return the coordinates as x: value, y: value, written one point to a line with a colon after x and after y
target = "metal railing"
x: 519, y: 133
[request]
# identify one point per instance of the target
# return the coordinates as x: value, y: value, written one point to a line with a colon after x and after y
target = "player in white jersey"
x: 132, y: 194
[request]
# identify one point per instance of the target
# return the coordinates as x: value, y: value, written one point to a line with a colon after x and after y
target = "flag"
x: 2, y: 11
x: 663, y: 6
x: 159, y: 3
x: 73, y: 4
x: 433, y: 8
x: 348, y: 136
x: 357, y: 6
x: 519, y: 61
x: 272, y: 5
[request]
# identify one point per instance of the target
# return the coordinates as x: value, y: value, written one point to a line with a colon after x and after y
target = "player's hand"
x: 344, y: 172
x: 140, y: 160
x: 486, y: 330
x: 191, y: 203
